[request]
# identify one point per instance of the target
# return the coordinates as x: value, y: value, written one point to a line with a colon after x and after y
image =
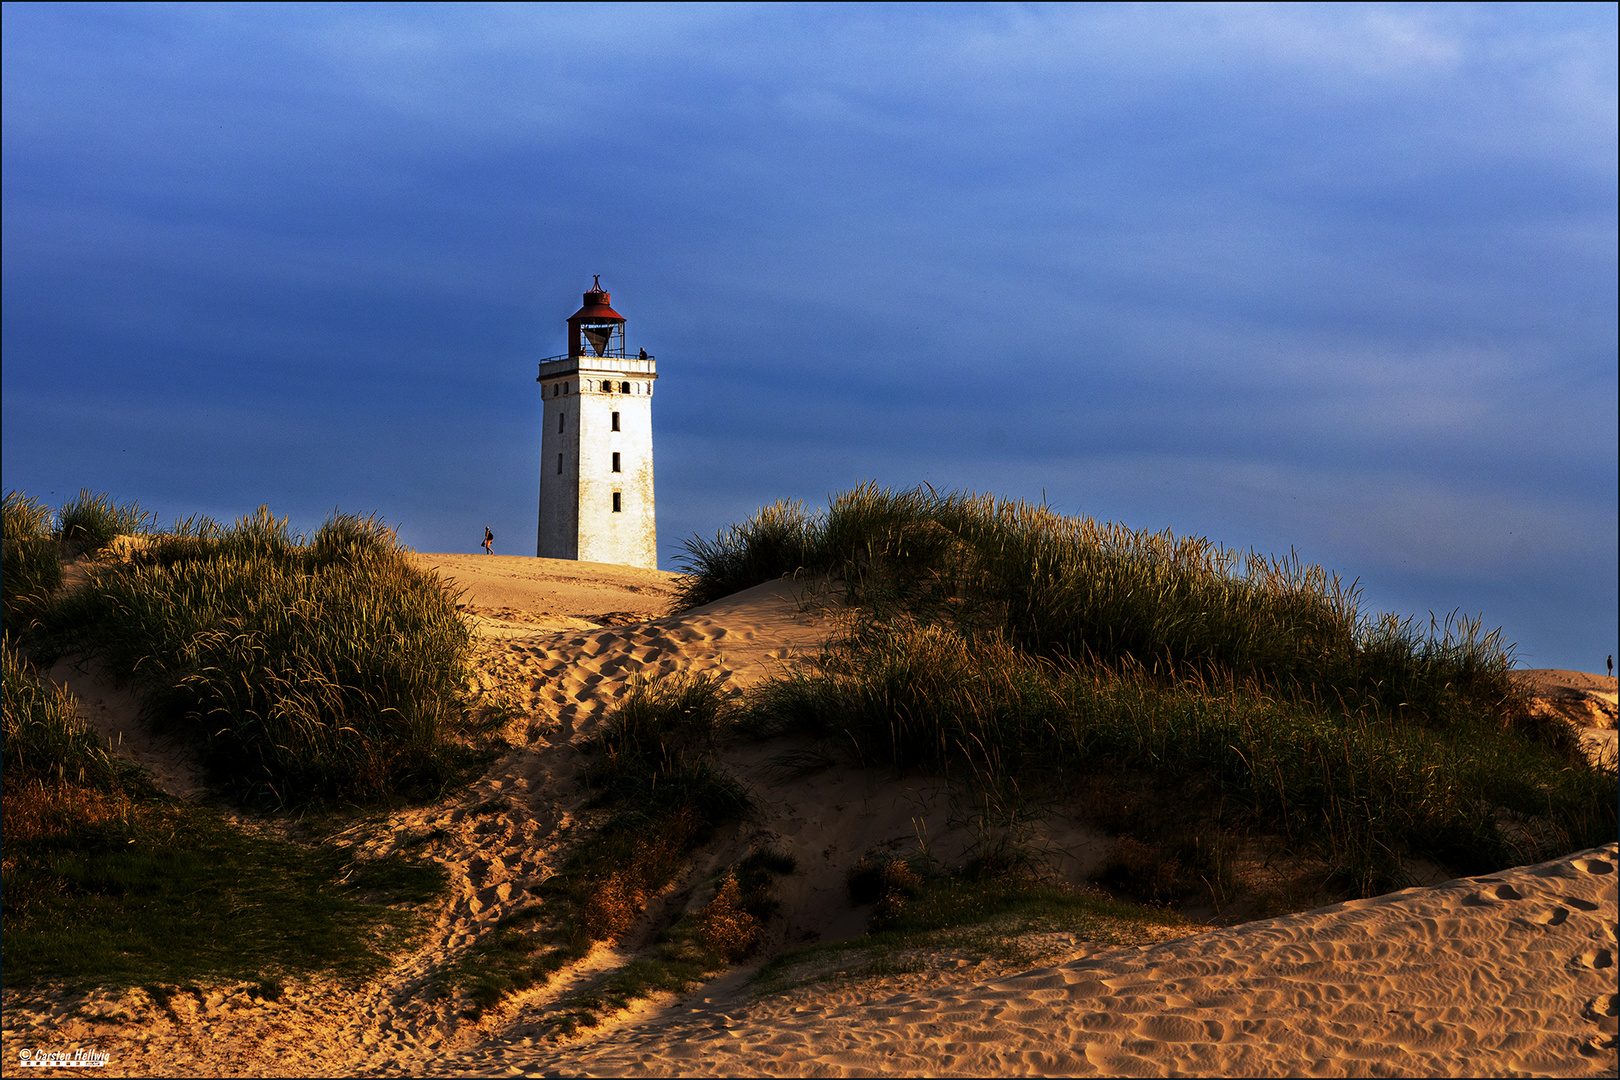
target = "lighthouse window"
x: 615, y: 421
x: 616, y: 507
x: 607, y: 388
x: 615, y: 461
x: 559, y: 464
x: 624, y: 388
x: 562, y: 418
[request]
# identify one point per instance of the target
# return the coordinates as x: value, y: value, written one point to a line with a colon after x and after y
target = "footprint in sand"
x: 1597, y: 959
x: 1605, y: 1013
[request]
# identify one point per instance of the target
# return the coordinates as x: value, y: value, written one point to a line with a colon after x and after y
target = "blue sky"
x: 1340, y: 279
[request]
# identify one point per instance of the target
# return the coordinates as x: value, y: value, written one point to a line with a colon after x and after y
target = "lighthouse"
x: 596, y: 453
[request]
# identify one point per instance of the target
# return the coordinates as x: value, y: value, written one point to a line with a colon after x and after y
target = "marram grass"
x: 1363, y: 786
x: 327, y: 669
x: 30, y: 563
x: 1025, y: 649
x: 1073, y: 588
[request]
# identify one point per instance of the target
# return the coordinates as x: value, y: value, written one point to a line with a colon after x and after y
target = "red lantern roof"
x: 596, y: 309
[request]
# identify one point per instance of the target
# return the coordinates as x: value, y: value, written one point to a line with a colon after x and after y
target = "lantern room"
x: 596, y: 329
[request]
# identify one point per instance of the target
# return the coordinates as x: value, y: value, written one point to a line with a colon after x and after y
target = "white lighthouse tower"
x: 596, y: 457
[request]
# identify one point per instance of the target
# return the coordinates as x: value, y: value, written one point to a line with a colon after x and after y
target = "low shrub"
x: 887, y: 884
x: 731, y: 923
x: 724, y: 925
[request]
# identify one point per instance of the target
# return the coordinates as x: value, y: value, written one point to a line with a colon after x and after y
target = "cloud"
x: 1335, y: 276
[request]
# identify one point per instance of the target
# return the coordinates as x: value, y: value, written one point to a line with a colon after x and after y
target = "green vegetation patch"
x: 333, y: 669
x: 173, y: 894
x: 107, y: 883
x: 1077, y: 589
x: 1365, y: 787
x: 1021, y: 649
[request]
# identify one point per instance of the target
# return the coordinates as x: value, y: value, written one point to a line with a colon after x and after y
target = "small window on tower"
x: 615, y: 421
x: 562, y: 418
x: 559, y: 464
x: 624, y: 388
x: 615, y: 461
x: 607, y: 388
x: 616, y: 507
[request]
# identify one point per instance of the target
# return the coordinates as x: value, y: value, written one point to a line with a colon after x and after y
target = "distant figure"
x: 489, y: 539
x: 644, y: 354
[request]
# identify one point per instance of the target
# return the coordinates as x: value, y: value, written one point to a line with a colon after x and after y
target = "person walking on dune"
x: 489, y: 540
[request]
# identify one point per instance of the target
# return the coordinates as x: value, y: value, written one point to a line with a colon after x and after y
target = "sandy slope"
x: 1507, y: 974
x: 1587, y: 701
x: 1512, y: 972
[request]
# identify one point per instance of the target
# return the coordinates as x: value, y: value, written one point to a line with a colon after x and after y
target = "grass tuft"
x: 332, y: 669
x: 88, y: 523
x: 43, y: 740
x: 30, y: 564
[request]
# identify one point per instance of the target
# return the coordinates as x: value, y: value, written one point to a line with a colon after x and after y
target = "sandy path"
x: 505, y: 834
x: 574, y: 678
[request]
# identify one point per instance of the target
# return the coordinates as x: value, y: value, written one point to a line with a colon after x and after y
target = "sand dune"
x: 1506, y: 974
x: 1513, y: 972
